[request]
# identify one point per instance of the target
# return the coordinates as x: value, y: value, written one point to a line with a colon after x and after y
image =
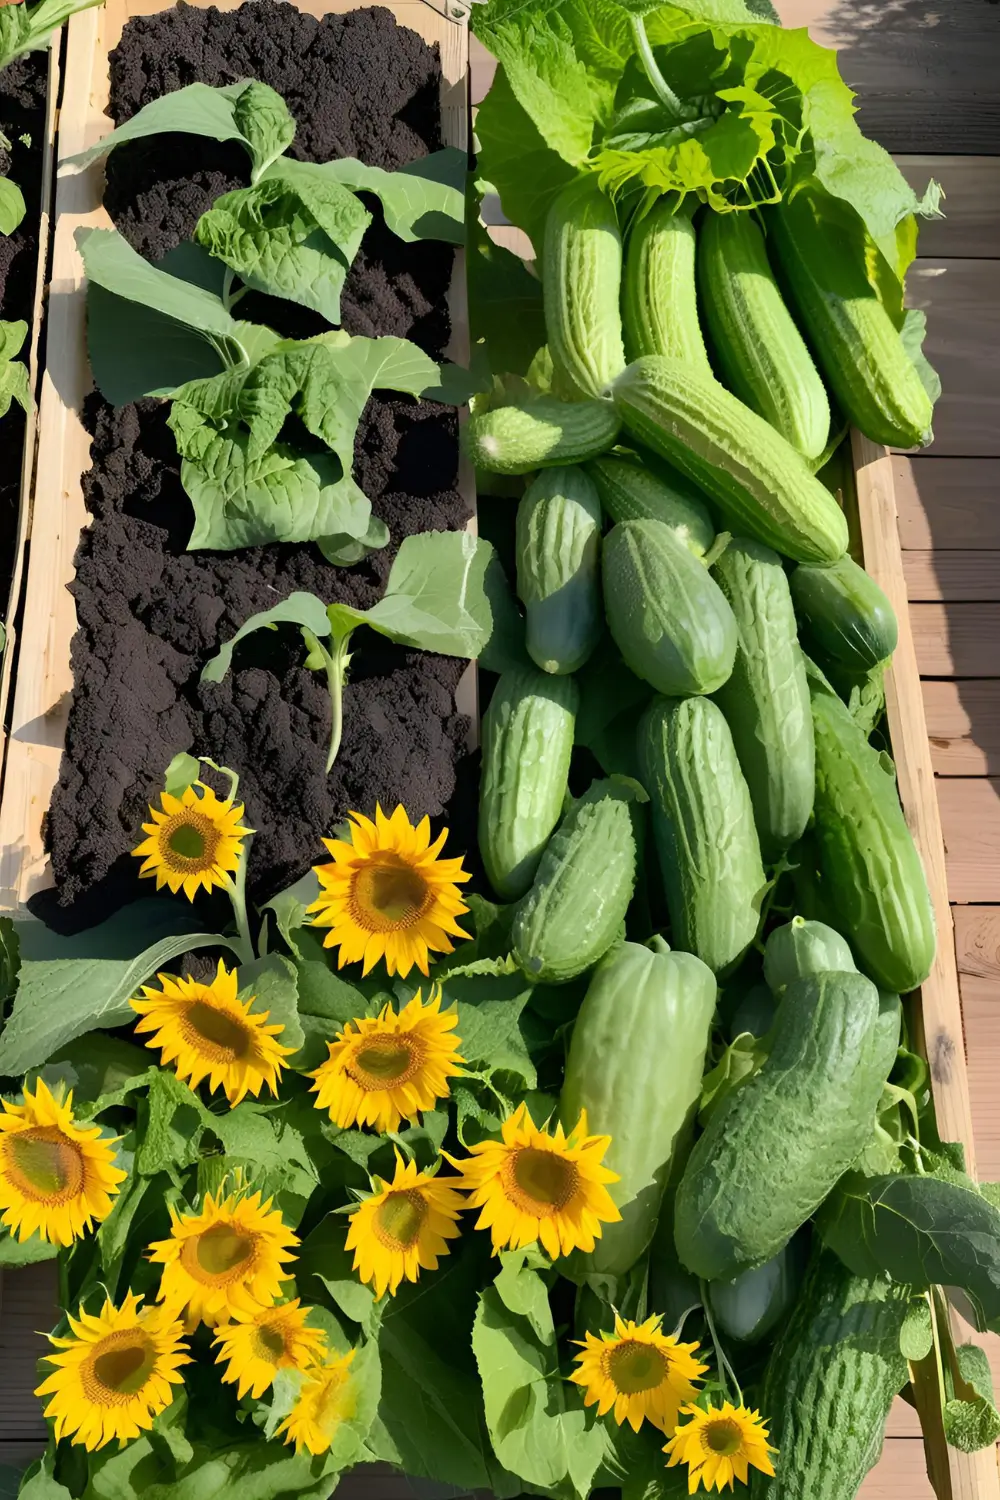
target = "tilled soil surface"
x: 150, y: 613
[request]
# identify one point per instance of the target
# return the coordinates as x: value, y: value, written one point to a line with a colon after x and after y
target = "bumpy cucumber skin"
x: 631, y: 492
x: 577, y: 903
x: 667, y: 615
x: 766, y: 699
x: 872, y: 878
x: 830, y: 1381
x: 540, y: 434
x: 777, y: 1146
x: 704, y: 830
x: 659, y: 301
x: 527, y: 744
x: 801, y: 947
x: 762, y: 355
x: 763, y: 488
x: 845, y: 613
x: 559, y: 569
x: 581, y: 283
x: 855, y: 341
x: 641, y: 1007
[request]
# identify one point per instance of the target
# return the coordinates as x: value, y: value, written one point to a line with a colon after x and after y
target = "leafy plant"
x: 14, y: 383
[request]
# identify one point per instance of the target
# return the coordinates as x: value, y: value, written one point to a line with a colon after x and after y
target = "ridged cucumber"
x: 766, y: 699
x: 559, y: 569
x: 659, y: 303
x: 527, y: 744
x: 703, y: 825
x: 540, y: 433
x: 760, y: 352
x: 581, y: 283
x: 763, y: 488
x: 844, y: 614
x: 801, y: 947
x: 630, y: 491
x: 667, y: 615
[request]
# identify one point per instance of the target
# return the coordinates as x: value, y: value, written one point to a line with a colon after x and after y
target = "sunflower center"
x: 385, y: 1060
x: 118, y: 1368
x: 218, y: 1034
x: 388, y: 893
x: 540, y: 1182
x: 722, y: 1436
x: 269, y: 1344
x: 399, y: 1219
x: 634, y: 1367
x: 218, y: 1254
x: 188, y: 842
x: 45, y: 1164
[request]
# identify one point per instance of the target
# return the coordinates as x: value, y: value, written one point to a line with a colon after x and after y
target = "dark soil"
x: 23, y: 87
x: 150, y: 613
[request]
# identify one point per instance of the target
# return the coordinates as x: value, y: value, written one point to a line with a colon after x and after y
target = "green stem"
x: 661, y: 87
x: 234, y: 780
x: 717, y: 548
x: 336, y: 675
x: 236, y: 889
x: 725, y: 1368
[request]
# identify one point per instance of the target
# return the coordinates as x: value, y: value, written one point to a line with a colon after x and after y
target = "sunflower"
x: 384, y: 1069
x: 115, y: 1374
x: 226, y: 1259
x: 534, y: 1186
x: 55, y: 1176
x: 258, y: 1343
x: 195, y: 841
x: 638, y: 1371
x: 719, y: 1445
x: 207, y: 1032
x: 403, y: 1227
x: 387, y: 895
x: 326, y: 1401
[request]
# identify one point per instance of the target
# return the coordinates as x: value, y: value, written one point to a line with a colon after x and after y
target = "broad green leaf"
x: 29, y: 1252
x: 298, y: 609
x: 14, y: 381
x: 101, y: 1071
x: 12, y: 206
x: 919, y: 1230
x: 272, y: 981
x: 289, y: 236
x: 29, y: 27
x: 323, y: 1255
x: 194, y: 110
x: 289, y: 906
x: 913, y: 333
x: 488, y: 1011
x: 971, y: 1420
x: 182, y: 772
x: 113, y: 1234
x: 110, y: 261
x: 506, y: 317
x: 392, y: 364
x: 262, y: 119
x: 516, y: 159
x: 172, y: 1121
x: 435, y: 597
x: 422, y: 201
x: 39, y: 1481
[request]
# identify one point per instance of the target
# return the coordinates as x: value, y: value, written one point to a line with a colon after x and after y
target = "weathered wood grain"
x: 963, y: 725
x: 977, y: 942
x: 959, y: 576
x: 946, y: 503
x: 971, y: 226
x: 957, y: 640
x: 970, y: 819
x: 962, y: 301
x: 901, y: 1472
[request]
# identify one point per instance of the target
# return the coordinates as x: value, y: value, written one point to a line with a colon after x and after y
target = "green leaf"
x: 14, y: 382
x: 488, y: 1011
x: 262, y: 119
x: 39, y: 1481
x: 12, y: 206
x: 113, y: 1234
x: 913, y: 333
x: 290, y: 906
x: 516, y: 159
x: 971, y: 1420
x: 326, y: 1004
x: 29, y: 1252
x: 291, y: 235
x: 506, y: 317
x: 323, y: 1255
x: 918, y: 1230
x: 422, y: 201
x: 304, y: 610
x: 273, y: 981
x: 172, y: 1123
x: 435, y: 597
x: 101, y: 1070
x: 741, y: 1060
x: 60, y: 999
x: 182, y: 772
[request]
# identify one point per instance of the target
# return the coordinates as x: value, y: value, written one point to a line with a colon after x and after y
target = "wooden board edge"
x: 43, y: 680
x: 29, y: 455
x: 960, y: 1476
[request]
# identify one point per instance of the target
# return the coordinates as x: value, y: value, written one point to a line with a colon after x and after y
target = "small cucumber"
x: 659, y: 305
x: 631, y: 491
x: 800, y: 948
x: 756, y: 1303
x: 845, y: 615
x: 527, y: 744
x: 581, y: 284
x: 540, y: 433
x: 558, y: 569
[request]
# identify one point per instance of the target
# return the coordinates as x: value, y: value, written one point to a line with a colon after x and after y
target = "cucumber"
x: 800, y: 948
x: 577, y: 903
x: 538, y: 433
x: 753, y: 1305
x: 754, y: 1013
x: 527, y: 744
x: 763, y: 488
x: 766, y: 699
x: 830, y: 1381
x: 704, y: 830
x: 558, y: 569
x: 846, y: 616
x: 667, y: 615
x: 642, y: 1007
x: 761, y: 354
x: 630, y: 491
x: 659, y: 304
x: 778, y: 1144
x: 581, y: 282
x: 852, y: 335
x: 871, y: 878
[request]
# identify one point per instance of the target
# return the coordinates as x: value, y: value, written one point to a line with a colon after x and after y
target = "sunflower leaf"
x: 323, y: 1257
x: 27, y: 1252
x: 272, y: 980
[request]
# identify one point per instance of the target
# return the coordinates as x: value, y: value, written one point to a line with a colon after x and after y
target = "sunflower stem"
x: 335, y: 664
x: 237, y: 892
x: 661, y: 87
x: 233, y: 776
x: 726, y: 1371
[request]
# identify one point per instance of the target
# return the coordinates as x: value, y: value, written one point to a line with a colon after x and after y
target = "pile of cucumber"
x: 702, y: 369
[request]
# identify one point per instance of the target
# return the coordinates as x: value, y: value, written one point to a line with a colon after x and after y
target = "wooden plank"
x: 971, y: 226
x: 970, y: 817
x: 956, y: 640
x: 955, y: 575
x: 977, y: 941
x: 900, y: 1474
x: 962, y: 302
x: 981, y: 1010
x: 963, y: 725
x: 946, y: 503
x: 44, y: 679
x: 28, y: 1306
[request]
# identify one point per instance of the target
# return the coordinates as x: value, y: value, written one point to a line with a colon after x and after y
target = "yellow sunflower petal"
x: 195, y: 841
x: 402, y: 1227
x: 326, y: 1401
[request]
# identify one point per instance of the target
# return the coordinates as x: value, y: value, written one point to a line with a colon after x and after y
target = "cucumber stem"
x: 726, y: 1371
x: 661, y: 87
